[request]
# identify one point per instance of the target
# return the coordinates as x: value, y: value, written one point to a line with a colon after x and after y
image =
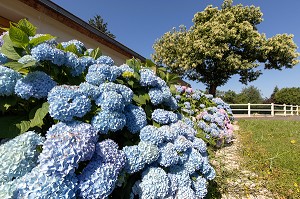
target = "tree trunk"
x: 212, y: 89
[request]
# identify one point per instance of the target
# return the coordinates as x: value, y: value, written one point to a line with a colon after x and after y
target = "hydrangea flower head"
x: 151, y: 134
x: 154, y: 183
x: 135, y: 118
x: 67, y: 102
x: 99, y: 73
x: 168, y: 155
x: 3, y: 59
x: 106, y: 121
x: 19, y: 155
x: 8, y: 80
x: 66, y: 145
x: 26, y: 59
x: 36, y: 84
x: 105, y: 60
x: 162, y: 116
x: 111, y: 101
x: 79, y: 45
x: 148, y: 77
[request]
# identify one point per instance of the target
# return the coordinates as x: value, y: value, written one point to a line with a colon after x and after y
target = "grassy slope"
x: 272, y: 149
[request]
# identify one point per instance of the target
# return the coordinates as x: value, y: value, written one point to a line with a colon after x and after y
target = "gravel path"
x: 239, y: 184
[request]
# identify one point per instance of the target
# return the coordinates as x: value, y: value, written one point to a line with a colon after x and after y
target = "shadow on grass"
x: 213, y: 190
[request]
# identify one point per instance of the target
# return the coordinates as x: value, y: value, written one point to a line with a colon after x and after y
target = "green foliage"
x: 288, y: 96
x: 230, y: 97
x: 249, y: 94
x: 99, y: 24
x: 96, y: 53
x: 11, y: 126
x: 271, y: 148
x: 221, y: 43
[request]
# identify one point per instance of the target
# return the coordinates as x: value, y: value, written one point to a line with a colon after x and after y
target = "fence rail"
x: 264, y: 109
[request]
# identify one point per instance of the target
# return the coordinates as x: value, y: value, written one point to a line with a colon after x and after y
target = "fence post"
x: 249, y: 110
x: 284, y: 109
x: 292, y: 109
x: 297, y: 110
x: 272, y: 109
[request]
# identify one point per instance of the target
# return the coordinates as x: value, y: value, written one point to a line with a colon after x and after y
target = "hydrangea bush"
x: 90, y: 129
x: 212, y: 117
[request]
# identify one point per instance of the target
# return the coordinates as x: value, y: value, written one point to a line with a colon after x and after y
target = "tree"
x: 230, y: 97
x: 249, y: 94
x: 99, y: 24
x: 222, y: 43
x: 272, y: 97
x: 288, y: 96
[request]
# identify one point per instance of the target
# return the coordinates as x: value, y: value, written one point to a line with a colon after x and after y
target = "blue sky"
x: 137, y: 24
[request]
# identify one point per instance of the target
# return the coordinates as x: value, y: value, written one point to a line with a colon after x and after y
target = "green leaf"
x: 18, y: 37
x: 130, y: 83
x: 72, y: 48
x: 14, y: 65
x: 96, y: 53
x: 139, y: 99
x: 149, y: 63
x: 60, y: 46
x: 41, y: 39
x: 134, y: 63
x: 29, y: 64
x: 6, y: 102
x: 27, y: 27
x: 12, y: 126
x: 9, y: 50
x: 39, y: 114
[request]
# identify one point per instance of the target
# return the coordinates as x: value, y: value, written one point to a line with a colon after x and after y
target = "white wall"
x: 15, y: 10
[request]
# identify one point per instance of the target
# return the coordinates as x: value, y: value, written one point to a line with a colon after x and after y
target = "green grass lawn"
x: 271, y: 149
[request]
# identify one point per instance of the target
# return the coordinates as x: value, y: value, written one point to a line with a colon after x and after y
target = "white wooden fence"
x: 251, y: 110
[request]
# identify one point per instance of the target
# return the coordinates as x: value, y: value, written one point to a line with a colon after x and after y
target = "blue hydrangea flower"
x: 105, y: 60
x: 168, y: 134
x: 134, y: 161
x: 151, y: 134
x: 106, y: 121
x: 126, y: 68
x: 86, y: 61
x: 108, y: 152
x: 187, y: 105
x: 148, y: 77
x: 37, y: 184
x: 67, y: 102
x: 171, y: 103
x: 202, y: 106
x: 79, y: 45
x: 182, y: 144
x: 209, y: 96
x: 19, y: 155
x: 90, y: 90
x: 36, y: 84
x: 168, y: 155
x: 1, y: 38
x: 156, y: 96
x: 111, y: 101
x: 179, y: 88
x: 199, y: 185
x: 162, y: 116
x: 154, y: 183
x: 188, y: 121
x: 74, y: 64
x: 186, y: 193
x: 99, y: 73
x: 8, y: 80
x: 200, y: 145
x: 3, y: 59
x: 182, y: 176
x: 26, y: 59
x: 135, y: 118
x: 194, y: 161
x: 46, y: 52
x: 99, y: 177
x: 196, y: 96
x: 148, y: 152
x: 66, y: 145
x: 126, y: 92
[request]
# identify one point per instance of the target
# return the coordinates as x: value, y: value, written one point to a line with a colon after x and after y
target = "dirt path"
x: 238, y: 183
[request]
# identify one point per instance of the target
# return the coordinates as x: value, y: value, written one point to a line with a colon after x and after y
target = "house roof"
x: 58, y: 13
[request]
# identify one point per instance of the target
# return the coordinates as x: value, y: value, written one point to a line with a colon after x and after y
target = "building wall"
x: 15, y: 10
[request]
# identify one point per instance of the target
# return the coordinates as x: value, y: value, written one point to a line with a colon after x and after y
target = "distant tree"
x: 99, y: 23
x: 230, y: 97
x: 250, y: 94
x: 288, y: 96
x: 221, y: 43
x: 272, y: 97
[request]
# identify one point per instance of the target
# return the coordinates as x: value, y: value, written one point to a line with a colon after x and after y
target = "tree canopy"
x: 99, y: 24
x: 224, y: 42
x: 288, y: 96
